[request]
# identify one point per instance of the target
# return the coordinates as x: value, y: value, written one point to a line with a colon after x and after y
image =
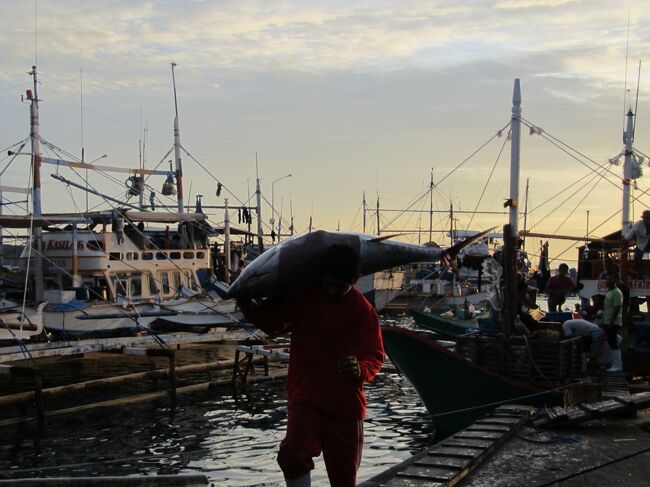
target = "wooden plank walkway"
x: 446, y: 463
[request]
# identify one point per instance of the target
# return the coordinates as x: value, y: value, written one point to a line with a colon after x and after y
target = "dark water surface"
x: 231, y: 440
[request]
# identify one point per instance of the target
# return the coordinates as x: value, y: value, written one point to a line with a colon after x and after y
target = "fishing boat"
x: 105, y: 272
x: 381, y: 288
x: 447, y: 323
x: 488, y: 369
x: 18, y: 322
x: 461, y: 385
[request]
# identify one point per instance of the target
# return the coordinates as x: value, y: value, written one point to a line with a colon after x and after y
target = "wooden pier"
x: 62, y: 348
x: 248, y: 359
x: 449, y: 461
x: 457, y: 457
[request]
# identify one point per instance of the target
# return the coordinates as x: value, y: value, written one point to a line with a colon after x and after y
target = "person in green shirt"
x: 613, y: 321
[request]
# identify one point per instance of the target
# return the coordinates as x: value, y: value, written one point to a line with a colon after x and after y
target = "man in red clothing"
x: 336, y: 347
x: 557, y: 288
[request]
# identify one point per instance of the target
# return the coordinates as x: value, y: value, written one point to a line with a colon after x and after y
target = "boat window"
x: 200, y: 255
x: 121, y: 286
x: 164, y: 279
x: 153, y: 284
x: 177, y: 280
x: 175, y: 255
x: 188, y: 255
x: 115, y: 256
x: 192, y: 284
x: 132, y: 256
x: 161, y: 256
x: 147, y: 255
x: 136, y: 285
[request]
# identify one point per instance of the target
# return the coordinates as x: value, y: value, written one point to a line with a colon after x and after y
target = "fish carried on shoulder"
x: 295, y: 264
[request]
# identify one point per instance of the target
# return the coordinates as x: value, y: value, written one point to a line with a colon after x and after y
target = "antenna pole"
x: 177, y: 149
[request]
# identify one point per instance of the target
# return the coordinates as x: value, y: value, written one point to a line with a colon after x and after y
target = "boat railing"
x: 545, y: 357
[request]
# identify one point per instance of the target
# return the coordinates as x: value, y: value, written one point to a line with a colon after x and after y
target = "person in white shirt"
x: 640, y: 233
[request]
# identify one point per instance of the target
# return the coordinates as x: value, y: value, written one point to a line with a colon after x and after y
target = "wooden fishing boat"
x: 485, y: 370
x: 459, y: 386
x: 445, y: 325
x: 18, y: 323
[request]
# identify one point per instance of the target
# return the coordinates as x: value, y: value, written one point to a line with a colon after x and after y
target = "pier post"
x: 171, y: 356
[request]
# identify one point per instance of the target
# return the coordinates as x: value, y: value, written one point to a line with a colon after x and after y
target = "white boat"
x: 18, y: 325
x: 104, y: 272
x: 382, y: 287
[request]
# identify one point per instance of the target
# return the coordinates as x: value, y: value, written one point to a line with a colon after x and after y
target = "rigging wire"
x: 593, y: 187
x: 505, y: 141
x: 562, y: 203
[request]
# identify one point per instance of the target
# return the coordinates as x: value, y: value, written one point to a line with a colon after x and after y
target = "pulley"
x: 135, y: 185
x: 169, y: 186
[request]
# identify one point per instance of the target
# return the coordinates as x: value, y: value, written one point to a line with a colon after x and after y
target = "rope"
x: 487, y: 182
x: 506, y: 401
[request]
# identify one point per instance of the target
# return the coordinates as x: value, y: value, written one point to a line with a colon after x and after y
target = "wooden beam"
x: 150, y: 396
x: 525, y: 233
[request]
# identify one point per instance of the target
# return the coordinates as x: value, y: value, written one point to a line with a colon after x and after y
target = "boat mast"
x: 515, y: 130
x: 36, y: 185
x: 510, y: 231
x: 364, y: 205
x: 226, y: 244
x: 431, y: 208
x: 628, y: 139
x: 526, y: 211
x: 258, y: 194
x: 177, y: 150
x: 378, y: 230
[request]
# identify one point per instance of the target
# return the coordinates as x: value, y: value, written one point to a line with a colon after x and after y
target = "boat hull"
x: 445, y: 326
x: 205, y: 313
x: 16, y: 325
x: 76, y: 321
x: 454, y: 390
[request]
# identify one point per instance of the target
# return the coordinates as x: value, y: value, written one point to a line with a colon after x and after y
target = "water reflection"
x: 233, y: 441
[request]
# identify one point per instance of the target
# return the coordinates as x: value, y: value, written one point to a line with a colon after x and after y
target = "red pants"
x: 308, y: 433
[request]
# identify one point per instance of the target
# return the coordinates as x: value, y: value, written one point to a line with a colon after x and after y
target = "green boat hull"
x: 445, y: 326
x: 454, y: 390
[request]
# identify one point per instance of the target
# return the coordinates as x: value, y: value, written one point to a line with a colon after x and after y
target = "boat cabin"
x: 598, y: 257
x: 109, y: 259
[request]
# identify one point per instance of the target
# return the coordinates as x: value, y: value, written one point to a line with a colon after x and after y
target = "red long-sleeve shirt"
x: 324, y: 329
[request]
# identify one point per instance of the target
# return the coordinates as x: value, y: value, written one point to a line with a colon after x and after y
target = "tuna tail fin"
x: 453, y: 251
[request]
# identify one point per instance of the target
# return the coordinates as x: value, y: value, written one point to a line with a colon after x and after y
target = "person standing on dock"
x: 640, y: 232
x: 613, y: 321
x: 557, y: 288
x: 336, y: 347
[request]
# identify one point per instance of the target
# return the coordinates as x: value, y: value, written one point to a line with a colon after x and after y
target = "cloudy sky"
x: 346, y: 96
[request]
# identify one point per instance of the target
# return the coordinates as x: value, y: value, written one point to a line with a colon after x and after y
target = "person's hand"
x: 349, y: 367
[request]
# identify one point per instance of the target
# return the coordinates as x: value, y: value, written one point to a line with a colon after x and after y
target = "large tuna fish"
x: 292, y: 265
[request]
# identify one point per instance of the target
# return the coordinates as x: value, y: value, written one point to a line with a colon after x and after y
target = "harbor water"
x: 232, y: 439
